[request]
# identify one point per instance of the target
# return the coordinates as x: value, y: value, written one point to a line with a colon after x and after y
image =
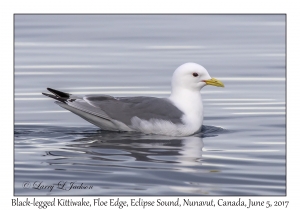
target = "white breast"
x: 163, y: 127
x: 190, y: 103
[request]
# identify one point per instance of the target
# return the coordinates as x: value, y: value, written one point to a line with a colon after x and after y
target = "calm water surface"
x: 241, y: 149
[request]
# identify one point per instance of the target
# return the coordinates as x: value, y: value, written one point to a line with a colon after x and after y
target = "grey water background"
x: 241, y: 149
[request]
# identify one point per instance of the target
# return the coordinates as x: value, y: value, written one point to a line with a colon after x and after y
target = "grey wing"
x: 92, y: 114
x: 83, y: 109
x: 124, y: 109
x: 77, y: 102
x: 82, y: 105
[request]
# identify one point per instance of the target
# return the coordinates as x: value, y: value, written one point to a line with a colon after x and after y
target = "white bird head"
x: 193, y: 76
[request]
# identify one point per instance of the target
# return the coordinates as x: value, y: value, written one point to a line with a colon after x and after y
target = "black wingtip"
x: 59, y: 93
x: 54, y: 97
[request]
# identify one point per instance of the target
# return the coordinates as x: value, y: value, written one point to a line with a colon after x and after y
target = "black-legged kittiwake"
x: 181, y: 114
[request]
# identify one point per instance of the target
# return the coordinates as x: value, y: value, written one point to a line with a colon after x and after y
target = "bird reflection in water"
x: 108, y: 147
x: 119, y: 159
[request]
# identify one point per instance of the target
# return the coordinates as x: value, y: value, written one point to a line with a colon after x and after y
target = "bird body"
x: 181, y: 114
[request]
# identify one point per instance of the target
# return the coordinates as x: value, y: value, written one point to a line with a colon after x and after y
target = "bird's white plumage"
x: 186, y: 94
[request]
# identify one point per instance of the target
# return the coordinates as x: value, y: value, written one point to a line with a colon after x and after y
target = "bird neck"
x: 188, y: 101
x: 185, y: 95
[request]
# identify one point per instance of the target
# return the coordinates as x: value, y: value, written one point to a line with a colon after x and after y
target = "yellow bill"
x: 214, y: 82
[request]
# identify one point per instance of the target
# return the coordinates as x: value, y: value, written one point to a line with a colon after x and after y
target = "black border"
x: 213, y: 14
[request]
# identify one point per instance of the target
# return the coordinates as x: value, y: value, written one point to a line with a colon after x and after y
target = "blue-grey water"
x: 241, y: 149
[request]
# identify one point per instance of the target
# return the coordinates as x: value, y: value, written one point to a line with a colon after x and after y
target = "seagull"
x: 181, y: 114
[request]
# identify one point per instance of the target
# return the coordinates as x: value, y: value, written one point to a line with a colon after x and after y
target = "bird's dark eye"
x: 195, y: 74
